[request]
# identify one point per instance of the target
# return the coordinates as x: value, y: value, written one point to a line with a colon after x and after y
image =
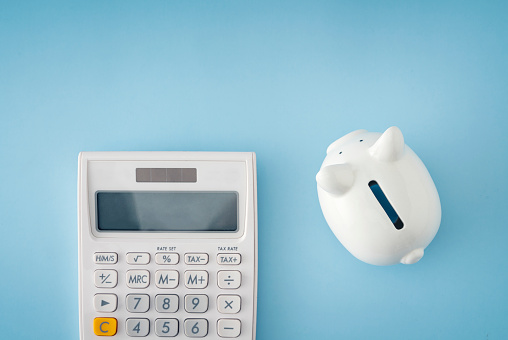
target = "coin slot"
x: 386, y: 205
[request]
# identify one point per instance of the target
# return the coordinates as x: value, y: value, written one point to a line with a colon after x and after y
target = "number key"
x: 137, y: 327
x: 137, y: 303
x: 166, y: 303
x: 196, y: 303
x: 166, y: 327
x: 196, y: 328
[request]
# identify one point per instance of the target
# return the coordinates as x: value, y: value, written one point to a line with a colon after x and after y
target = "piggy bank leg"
x: 412, y: 257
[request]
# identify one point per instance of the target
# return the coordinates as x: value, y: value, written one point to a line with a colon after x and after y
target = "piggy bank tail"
x: 413, y: 256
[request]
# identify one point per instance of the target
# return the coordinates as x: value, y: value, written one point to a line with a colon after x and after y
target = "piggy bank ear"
x: 335, y: 179
x: 335, y: 145
x: 390, y: 146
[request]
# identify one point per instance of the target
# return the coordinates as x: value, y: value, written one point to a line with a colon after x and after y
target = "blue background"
x: 283, y: 79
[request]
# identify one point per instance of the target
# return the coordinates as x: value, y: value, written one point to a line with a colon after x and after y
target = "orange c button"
x: 104, y: 326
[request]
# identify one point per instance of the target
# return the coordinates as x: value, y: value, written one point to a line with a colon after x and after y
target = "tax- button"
x: 138, y: 278
x: 229, y: 279
x: 138, y: 258
x: 196, y: 258
x: 230, y: 259
x: 104, y: 326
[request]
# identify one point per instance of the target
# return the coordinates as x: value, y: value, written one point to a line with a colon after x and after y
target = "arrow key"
x: 105, y: 303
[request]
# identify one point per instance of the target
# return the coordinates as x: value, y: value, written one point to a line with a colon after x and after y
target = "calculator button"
x: 137, y: 303
x: 137, y: 327
x: 105, y: 258
x: 105, y: 278
x: 229, y: 328
x: 166, y: 327
x: 229, y: 259
x: 105, y: 303
x: 229, y: 279
x: 196, y: 328
x: 196, y: 258
x: 196, y: 303
x: 104, y: 326
x: 138, y: 258
x: 196, y: 278
x: 166, y: 303
x: 167, y: 258
x: 229, y: 304
x: 137, y: 278
x: 166, y: 278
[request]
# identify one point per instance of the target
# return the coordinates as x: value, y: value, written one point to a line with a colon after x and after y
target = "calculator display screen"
x: 167, y: 211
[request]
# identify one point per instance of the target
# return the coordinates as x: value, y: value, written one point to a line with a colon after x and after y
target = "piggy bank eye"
x: 361, y: 140
x: 340, y: 153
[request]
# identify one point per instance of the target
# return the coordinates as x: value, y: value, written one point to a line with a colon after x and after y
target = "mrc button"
x: 137, y: 278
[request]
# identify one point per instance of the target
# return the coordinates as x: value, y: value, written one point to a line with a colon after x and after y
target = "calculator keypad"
x: 165, y: 278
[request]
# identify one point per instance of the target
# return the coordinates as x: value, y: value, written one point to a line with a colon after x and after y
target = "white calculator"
x: 167, y: 245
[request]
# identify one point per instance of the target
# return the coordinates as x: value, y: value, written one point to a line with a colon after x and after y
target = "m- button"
x: 230, y: 259
x: 137, y: 278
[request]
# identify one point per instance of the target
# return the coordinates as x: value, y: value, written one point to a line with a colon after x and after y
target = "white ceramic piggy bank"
x: 378, y: 198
